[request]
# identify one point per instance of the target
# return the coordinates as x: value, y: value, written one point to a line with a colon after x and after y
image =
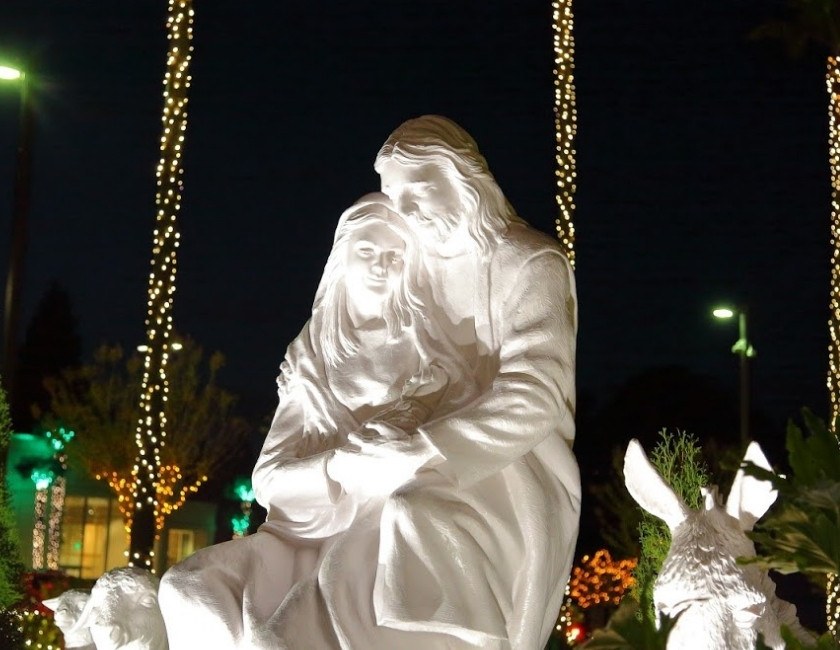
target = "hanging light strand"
x: 565, y: 123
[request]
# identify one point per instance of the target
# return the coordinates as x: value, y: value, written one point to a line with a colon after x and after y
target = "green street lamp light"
x: 745, y: 351
x: 8, y: 73
x: 20, y: 211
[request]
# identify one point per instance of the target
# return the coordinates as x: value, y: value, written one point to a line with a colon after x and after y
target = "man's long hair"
x: 330, y: 313
x: 436, y: 140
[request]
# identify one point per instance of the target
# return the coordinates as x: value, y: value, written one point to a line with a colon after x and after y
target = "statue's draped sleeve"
x: 532, y: 395
x: 290, y: 477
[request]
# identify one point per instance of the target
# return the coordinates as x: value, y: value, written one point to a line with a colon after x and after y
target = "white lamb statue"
x: 67, y: 609
x: 123, y: 612
x: 722, y: 604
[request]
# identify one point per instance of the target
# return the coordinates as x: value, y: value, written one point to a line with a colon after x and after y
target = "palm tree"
x: 817, y: 22
x: 565, y: 122
x: 150, y: 435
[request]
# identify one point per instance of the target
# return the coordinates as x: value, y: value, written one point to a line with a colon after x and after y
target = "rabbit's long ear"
x: 750, y: 497
x: 649, y: 489
x: 52, y: 603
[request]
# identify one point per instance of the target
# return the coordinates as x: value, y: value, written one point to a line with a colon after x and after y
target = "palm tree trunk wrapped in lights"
x: 832, y: 80
x: 57, y: 494
x: 565, y: 123
x: 151, y: 427
x: 817, y: 22
x: 832, y: 602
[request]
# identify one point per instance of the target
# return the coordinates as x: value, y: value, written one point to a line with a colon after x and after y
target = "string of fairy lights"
x: 151, y: 428
x: 833, y: 87
x: 565, y: 123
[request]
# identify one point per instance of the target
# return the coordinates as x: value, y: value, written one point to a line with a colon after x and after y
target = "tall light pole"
x: 20, y: 212
x: 745, y: 351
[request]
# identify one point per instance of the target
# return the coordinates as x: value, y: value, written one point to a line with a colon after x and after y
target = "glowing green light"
x: 723, y: 312
x: 10, y: 74
x: 60, y: 439
x: 42, y: 478
x: 243, y: 490
x: 240, y: 524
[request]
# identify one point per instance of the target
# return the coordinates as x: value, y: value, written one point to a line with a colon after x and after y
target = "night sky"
x: 702, y: 168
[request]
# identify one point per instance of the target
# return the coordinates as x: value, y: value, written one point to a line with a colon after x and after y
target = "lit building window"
x: 93, y: 537
x: 181, y: 544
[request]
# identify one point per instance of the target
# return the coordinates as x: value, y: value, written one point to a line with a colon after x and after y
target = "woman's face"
x: 373, y: 268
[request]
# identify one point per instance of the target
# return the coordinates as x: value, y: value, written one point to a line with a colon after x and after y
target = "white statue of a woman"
x: 364, y: 366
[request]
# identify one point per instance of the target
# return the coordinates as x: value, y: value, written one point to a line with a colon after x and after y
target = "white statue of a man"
x: 501, y: 522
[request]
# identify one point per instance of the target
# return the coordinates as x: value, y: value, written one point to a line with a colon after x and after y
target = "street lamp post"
x: 745, y: 351
x: 20, y: 211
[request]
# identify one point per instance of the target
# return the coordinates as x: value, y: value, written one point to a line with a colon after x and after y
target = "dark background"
x: 702, y: 163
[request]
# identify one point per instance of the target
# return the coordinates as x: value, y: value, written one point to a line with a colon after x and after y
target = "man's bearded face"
x: 425, y: 197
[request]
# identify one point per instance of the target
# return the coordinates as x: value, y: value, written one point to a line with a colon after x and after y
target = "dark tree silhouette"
x: 52, y: 344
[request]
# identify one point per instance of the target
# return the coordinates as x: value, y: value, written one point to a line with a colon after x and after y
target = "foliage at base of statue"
x: 40, y: 631
x: 631, y: 627
x: 802, y: 533
x: 11, y: 635
x: 825, y: 642
x: 679, y: 459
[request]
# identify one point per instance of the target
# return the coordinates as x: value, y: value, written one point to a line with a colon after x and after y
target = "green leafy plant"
x: 825, y: 642
x: 632, y: 627
x: 802, y: 533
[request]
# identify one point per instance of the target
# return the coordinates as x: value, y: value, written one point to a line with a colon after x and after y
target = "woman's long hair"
x: 330, y: 314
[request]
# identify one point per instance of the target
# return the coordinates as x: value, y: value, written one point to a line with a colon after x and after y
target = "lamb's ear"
x: 750, y: 497
x: 649, y: 489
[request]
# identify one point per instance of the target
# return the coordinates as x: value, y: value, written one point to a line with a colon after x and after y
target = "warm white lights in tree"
x: 565, y: 122
x: 58, y: 492
x: 151, y: 427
